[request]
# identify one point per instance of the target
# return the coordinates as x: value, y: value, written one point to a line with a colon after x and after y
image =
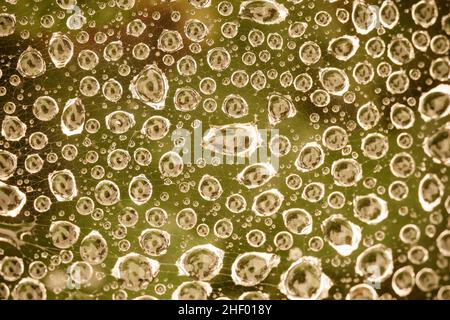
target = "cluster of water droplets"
x: 100, y: 198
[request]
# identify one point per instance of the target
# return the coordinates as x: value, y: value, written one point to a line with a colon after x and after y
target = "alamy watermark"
x: 228, y: 144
